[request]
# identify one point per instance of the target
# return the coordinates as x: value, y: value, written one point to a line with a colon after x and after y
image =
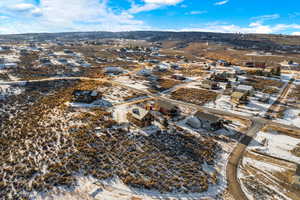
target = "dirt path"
x: 235, y: 158
x: 275, y: 107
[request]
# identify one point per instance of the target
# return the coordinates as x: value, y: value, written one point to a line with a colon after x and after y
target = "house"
x: 45, y: 61
x: 230, y: 74
x: 176, y: 67
x: 208, y: 84
x: 161, y: 67
x: 245, y: 89
x: 113, y: 70
x: 145, y: 72
x: 62, y: 60
x: 5, y: 48
x: 239, y: 97
x: 255, y: 64
x: 154, y: 61
x: 2, y: 60
x: 10, y: 65
x: 140, y: 117
x: 239, y: 71
x: 209, y: 121
x: 67, y: 51
x: 223, y: 63
x: 86, y: 96
x: 289, y: 63
x: 85, y: 64
x: 24, y: 52
x: 194, y: 122
x: 296, y: 178
x: 178, y: 77
x: 220, y: 77
x: 166, y: 108
x: 265, y: 98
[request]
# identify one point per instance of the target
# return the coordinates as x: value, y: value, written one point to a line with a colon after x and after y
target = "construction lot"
x: 270, y: 163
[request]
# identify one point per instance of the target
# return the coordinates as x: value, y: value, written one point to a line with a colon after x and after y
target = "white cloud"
x: 219, y: 3
x: 198, y: 12
x: 22, y: 7
x: 2, y: 17
x: 163, y: 2
x: 255, y: 27
x: 68, y: 15
x: 296, y: 33
x: 263, y: 18
x: 149, y: 5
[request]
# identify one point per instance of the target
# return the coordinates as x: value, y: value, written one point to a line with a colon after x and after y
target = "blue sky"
x: 255, y: 16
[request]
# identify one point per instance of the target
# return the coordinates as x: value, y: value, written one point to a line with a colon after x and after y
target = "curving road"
x: 235, y: 158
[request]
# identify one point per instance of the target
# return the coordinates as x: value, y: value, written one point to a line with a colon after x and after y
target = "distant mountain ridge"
x: 252, y: 41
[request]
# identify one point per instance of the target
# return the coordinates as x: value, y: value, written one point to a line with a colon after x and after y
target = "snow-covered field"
x: 132, y: 83
x: 291, y: 117
x: 7, y: 91
x: 276, y: 144
x: 254, y: 107
x: 91, y: 188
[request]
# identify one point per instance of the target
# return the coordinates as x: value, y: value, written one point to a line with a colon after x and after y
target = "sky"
x: 228, y: 16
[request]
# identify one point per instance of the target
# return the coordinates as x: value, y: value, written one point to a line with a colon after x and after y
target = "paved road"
x: 236, y: 155
x: 234, y: 160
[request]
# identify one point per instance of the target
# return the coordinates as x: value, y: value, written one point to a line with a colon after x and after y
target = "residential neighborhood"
x: 139, y: 119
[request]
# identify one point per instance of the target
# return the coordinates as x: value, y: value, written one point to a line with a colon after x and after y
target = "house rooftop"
x: 237, y: 95
x: 207, y: 116
x: 138, y: 112
x: 245, y: 87
x: 166, y: 105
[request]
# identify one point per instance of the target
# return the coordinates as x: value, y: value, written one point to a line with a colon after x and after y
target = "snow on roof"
x: 207, y: 116
x: 138, y: 112
x: 166, y: 105
x: 144, y: 72
x: 237, y: 95
x: 194, y: 122
x: 113, y: 69
x: 245, y: 87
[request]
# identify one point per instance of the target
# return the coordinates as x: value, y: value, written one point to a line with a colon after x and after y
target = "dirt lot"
x: 195, y: 96
x: 263, y: 84
x: 268, y: 184
x: 168, y: 83
x: 296, y: 93
x: 193, y: 70
x: 269, y: 164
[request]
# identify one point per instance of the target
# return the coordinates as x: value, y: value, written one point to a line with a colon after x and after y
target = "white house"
x: 245, y: 89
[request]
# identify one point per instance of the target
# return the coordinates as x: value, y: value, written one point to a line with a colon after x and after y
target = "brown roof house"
x: 255, y: 64
x: 166, y: 108
x: 140, y: 117
x: 209, y: 121
x: 245, y: 89
x: 86, y: 96
x: 208, y: 84
x: 296, y: 178
x: 239, y: 97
